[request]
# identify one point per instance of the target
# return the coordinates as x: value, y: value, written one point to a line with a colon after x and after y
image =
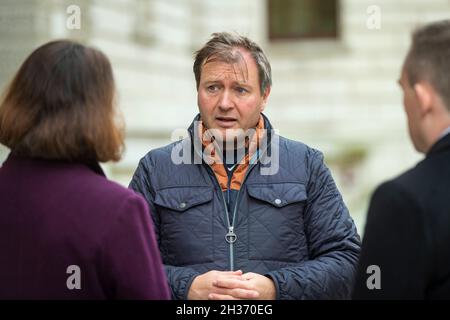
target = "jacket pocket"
x: 276, y: 229
x: 183, y: 198
x: 278, y: 195
x: 186, y: 224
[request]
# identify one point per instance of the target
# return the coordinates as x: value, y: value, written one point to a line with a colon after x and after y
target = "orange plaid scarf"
x: 213, y: 157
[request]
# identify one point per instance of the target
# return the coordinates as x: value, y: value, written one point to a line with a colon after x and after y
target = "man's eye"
x: 212, y: 88
x: 241, y: 90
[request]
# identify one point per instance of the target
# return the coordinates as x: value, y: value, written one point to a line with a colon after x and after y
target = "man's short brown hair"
x: 223, y: 47
x: 429, y: 58
x: 60, y: 105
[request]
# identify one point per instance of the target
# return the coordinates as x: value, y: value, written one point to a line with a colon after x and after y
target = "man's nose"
x: 226, y: 101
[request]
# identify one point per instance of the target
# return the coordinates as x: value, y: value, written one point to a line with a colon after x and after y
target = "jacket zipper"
x: 230, y: 232
x: 231, y: 227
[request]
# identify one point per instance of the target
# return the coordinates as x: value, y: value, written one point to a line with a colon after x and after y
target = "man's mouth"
x: 226, y: 122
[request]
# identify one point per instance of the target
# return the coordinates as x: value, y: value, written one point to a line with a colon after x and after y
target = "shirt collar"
x: 444, y: 133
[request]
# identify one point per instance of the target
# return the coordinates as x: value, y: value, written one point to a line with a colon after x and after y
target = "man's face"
x: 229, y: 95
x: 412, y: 110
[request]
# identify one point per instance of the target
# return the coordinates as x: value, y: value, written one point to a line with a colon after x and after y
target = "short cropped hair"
x: 60, y: 105
x: 429, y: 58
x: 223, y: 47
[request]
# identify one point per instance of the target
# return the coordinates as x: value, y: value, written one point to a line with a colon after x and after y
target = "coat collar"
x: 196, y: 144
x: 441, y: 145
x: 14, y: 160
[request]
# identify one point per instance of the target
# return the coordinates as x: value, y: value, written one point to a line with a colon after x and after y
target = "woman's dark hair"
x: 60, y: 105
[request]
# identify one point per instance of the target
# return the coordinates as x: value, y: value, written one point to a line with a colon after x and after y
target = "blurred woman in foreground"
x: 66, y: 232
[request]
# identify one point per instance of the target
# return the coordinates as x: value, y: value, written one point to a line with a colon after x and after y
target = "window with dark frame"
x: 298, y: 19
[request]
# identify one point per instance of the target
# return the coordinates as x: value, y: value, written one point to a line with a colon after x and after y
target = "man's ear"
x: 265, y: 96
x: 425, y: 95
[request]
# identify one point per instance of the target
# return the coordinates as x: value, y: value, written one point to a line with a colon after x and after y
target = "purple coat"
x: 66, y: 232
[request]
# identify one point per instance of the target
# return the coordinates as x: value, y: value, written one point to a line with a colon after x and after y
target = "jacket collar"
x: 442, y: 144
x: 196, y: 144
x: 267, y: 125
x: 14, y: 160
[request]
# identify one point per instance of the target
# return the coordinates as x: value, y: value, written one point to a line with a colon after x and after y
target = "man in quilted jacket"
x: 239, y: 211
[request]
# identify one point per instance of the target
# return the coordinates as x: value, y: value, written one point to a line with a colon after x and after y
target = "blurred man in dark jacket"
x: 405, y: 253
x: 239, y: 211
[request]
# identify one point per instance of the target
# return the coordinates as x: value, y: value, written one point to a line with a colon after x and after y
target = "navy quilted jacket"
x: 292, y: 226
